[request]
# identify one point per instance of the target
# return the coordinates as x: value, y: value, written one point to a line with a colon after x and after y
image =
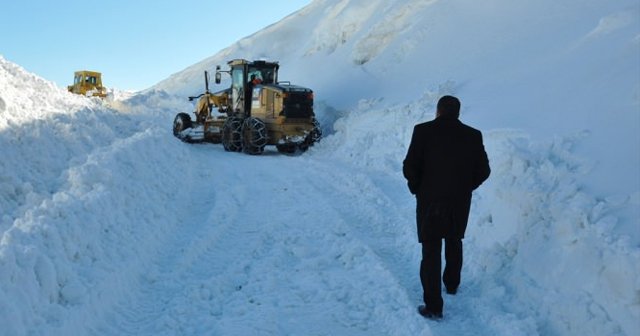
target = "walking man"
x: 446, y: 161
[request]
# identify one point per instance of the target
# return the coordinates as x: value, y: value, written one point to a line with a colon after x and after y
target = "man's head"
x: 448, y: 106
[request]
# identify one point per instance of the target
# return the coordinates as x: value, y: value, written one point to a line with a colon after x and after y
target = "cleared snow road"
x: 282, y: 245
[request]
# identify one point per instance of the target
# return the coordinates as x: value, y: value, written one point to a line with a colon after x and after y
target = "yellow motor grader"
x: 255, y: 111
x: 88, y: 83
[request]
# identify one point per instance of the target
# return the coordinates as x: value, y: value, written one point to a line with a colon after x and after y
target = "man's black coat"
x: 446, y: 161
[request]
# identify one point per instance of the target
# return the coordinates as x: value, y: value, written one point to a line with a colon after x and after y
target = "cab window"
x: 237, y: 78
x: 254, y: 72
x: 266, y: 75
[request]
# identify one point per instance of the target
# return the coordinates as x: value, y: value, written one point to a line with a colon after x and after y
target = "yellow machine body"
x: 256, y: 110
x: 88, y: 83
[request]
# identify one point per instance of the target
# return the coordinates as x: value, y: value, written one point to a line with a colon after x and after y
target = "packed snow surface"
x: 111, y: 226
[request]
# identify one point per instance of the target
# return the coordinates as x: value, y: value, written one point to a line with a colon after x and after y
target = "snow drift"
x: 111, y: 226
x: 70, y: 165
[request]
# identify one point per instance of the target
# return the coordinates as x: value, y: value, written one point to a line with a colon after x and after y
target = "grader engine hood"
x: 297, y: 101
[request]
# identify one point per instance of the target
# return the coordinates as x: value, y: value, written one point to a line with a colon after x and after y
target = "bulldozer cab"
x: 87, y: 83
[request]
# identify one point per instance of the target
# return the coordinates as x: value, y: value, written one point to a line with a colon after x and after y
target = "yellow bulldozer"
x: 255, y: 111
x: 88, y: 83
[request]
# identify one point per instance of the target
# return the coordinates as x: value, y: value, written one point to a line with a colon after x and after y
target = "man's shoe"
x: 426, y: 313
x: 452, y: 291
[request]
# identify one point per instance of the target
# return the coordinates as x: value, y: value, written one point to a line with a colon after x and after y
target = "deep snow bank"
x: 43, y: 130
x: 73, y: 178
x: 553, y: 245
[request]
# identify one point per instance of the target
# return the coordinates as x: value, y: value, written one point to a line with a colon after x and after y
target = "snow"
x: 111, y: 226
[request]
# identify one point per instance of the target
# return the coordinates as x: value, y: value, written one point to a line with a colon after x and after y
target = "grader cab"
x: 256, y: 110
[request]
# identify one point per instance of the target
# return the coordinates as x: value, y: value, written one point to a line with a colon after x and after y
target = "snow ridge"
x: 558, y: 244
x: 68, y: 241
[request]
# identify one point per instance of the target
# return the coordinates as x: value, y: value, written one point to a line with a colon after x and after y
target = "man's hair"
x: 449, y: 106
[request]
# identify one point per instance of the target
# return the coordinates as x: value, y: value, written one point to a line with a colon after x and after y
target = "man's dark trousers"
x: 431, y: 267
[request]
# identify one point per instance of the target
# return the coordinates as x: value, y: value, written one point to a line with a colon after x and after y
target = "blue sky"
x: 135, y: 44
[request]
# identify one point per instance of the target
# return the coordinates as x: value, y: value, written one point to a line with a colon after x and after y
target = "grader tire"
x: 181, y: 122
x: 316, y: 133
x: 254, y: 136
x: 232, y: 135
x: 313, y: 137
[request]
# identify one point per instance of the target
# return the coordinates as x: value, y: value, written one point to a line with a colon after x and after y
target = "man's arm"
x: 412, y: 164
x: 482, y: 169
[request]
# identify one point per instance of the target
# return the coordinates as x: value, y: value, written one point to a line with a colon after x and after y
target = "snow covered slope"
x: 111, y: 226
x: 548, y: 67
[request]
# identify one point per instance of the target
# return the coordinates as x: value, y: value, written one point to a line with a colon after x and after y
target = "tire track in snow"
x: 272, y: 256
x: 323, y: 265
x: 379, y: 220
x: 385, y: 221
x: 154, y: 307
x: 157, y: 290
